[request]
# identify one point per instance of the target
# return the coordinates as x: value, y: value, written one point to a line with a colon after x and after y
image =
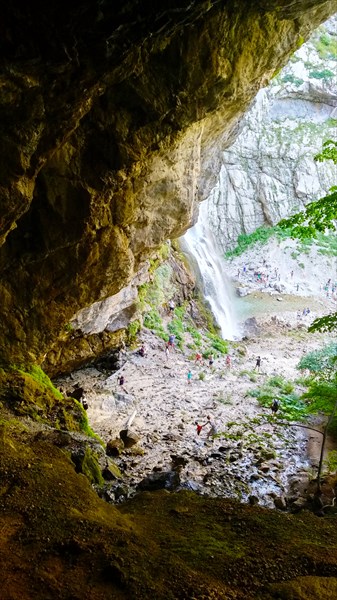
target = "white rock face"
x: 270, y: 172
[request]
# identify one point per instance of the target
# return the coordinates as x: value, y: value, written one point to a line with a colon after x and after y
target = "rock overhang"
x: 111, y: 119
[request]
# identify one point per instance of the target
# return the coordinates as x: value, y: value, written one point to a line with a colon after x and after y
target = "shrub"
x: 260, y: 235
x: 325, y: 74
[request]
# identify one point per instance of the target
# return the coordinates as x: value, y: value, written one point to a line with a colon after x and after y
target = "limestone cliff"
x: 110, y: 116
x: 270, y: 172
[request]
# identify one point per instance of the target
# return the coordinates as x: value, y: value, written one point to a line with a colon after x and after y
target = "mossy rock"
x: 32, y: 394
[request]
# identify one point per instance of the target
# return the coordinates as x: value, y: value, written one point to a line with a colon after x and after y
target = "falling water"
x: 206, y: 260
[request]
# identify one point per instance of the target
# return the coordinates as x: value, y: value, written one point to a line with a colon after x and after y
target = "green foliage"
x: 217, y: 343
x: 176, y: 327
x: 324, y: 324
x: 326, y: 244
x: 329, y: 152
x: 260, y: 235
x: 317, y: 216
x: 326, y: 46
x: 161, y: 255
x: 291, y: 406
x: 319, y: 360
x: 330, y: 462
x: 320, y: 214
x: 197, y: 337
x: 202, y: 375
x: 251, y: 374
x: 325, y: 74
x: 152, y: 320
x: 290, y: 78
x: 132, y: 330
x: 155, y: 292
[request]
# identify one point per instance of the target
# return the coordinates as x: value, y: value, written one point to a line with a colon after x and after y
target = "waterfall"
x: 206, y: 261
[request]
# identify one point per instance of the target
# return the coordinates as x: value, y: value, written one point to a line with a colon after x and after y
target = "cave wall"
x: 112, y: 114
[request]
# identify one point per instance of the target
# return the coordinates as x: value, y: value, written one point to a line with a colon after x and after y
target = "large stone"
x: 129, y: 438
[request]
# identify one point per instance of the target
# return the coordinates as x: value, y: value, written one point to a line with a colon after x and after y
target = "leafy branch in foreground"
x: 320, y: 214
x: 317, y: 216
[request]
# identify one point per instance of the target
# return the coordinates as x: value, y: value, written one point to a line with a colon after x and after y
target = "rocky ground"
x: 251, y: 458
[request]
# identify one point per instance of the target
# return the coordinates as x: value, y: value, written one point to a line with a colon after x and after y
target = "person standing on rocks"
x: 275, y: 406
x: 189, y: 376
x: 171, y: 340
x: 198, y: 358
x: 258, y: 364
x: 211, y: 360
x: 228, y: 361
x: 121, y: 380
x: 172, y: 306
x: 212, y: 427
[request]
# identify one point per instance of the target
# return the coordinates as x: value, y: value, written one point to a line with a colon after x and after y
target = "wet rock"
x: 298, y: 504
x: 280, y: 503
x: 178, y: 461
x: 111, y: 471
x: 169, y: 480
x: 233, y: 457
x: 115, y: 447
x: 242, y: 291
x: 251, y: 326
x: 129, y: 438
x: 193, y: 486
x: 264, y: 468
x: 253, y: 500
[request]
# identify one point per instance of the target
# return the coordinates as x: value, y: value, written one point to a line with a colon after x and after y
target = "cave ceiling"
x: 112, y: 116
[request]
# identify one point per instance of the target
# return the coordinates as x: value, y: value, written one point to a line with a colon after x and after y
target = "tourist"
x: 198, y: 358
x: 171, y: 340
x: 258, y: 364
x: 275, y: 406
x: 228, y: 361
x: 199, y: 427
x: 142, y: 350
x: 172, y: 306
x: 189, y: 377
x: 213, y: 429
x: 167, y: 352
x: 210, y: 360
x: 121, y: 380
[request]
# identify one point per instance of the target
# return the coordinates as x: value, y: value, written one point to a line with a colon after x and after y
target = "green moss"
x: 31, y: 393
x: 90, y: 467
x: 132, y: 330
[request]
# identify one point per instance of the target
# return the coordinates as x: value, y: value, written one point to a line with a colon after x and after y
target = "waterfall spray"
x: 209, y: 267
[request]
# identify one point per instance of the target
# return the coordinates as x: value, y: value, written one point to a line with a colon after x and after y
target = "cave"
x: 114, y: 117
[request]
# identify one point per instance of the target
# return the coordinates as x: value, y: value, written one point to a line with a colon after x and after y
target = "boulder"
x: 129, y: 438
x: 280, y: 503
x: 168, y: 480
x: 114, y: 447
